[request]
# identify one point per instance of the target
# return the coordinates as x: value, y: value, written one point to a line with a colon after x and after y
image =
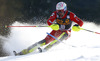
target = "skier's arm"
x: 76, y: 19
x: 50, y: 22
x: 51, y: 19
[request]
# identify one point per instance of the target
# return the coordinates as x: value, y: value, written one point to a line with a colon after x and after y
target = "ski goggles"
x: 60, y: 11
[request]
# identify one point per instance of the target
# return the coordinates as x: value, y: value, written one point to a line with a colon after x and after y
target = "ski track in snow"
x: 81, y: 46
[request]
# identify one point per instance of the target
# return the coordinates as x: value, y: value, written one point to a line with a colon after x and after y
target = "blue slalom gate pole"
x: 53, y: 36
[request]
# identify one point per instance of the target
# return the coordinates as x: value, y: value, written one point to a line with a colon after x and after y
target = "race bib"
x: 61, y: 22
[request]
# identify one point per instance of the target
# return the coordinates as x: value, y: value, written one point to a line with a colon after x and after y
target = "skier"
x: 61, y: 29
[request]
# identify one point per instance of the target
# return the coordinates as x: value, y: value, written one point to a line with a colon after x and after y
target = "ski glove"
x: 54, y: 26
x: 76, y: 28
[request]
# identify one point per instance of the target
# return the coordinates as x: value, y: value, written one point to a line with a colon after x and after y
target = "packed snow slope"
x: 81, y: 46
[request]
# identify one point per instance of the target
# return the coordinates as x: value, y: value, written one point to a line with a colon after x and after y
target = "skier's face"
x: 61, y: 13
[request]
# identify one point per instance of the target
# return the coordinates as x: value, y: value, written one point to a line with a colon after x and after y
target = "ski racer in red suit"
x: 61, y: 29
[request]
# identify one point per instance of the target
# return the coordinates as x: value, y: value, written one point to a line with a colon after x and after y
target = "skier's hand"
x: 54, y: 26
x: 76, y: 28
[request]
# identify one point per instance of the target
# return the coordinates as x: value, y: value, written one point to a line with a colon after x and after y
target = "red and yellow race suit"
x: 63, y: 33
x: 64, y: 23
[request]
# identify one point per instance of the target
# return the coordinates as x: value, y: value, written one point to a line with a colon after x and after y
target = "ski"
x: 39, y: 51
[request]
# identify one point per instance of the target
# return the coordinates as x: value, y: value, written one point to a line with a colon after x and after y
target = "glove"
x: 76, y: 28
x: 54, y: 26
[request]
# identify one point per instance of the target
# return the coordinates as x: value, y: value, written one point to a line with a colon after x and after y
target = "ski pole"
x: 89, y: 31
x: 25, y: 26
x: 53, y: 26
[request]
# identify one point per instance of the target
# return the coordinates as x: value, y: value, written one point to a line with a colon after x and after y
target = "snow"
x: 81, y: 46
